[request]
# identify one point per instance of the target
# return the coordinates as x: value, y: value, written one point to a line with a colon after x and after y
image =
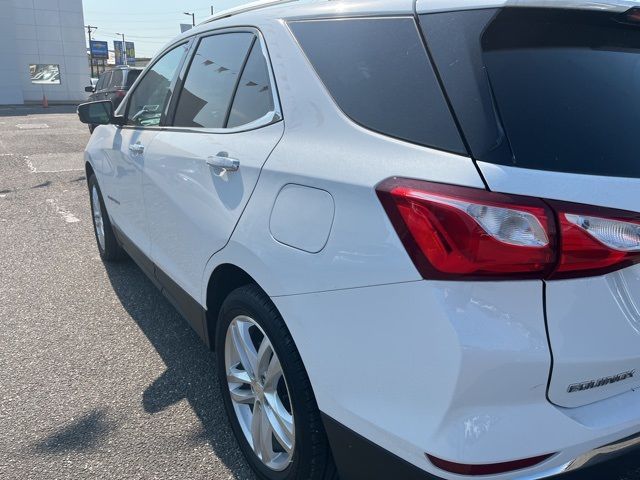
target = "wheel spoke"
x: 273, y: 374
x: 266, y: 436
x: 280, y: 425
x: 261, y: 433
x: 264, y: 355
x: 243, y: 396
x: 256, y: 429
x: 235, y: 375
x: 244, y: 347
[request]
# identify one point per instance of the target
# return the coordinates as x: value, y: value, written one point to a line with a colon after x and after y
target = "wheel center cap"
x: 258, y: 390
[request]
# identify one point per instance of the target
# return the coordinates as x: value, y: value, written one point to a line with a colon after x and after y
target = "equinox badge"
x: 579, y: 387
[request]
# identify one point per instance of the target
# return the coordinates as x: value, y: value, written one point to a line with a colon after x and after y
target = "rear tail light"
x: 454, y: 232
x: 121, y: 93
x: 596, y: 240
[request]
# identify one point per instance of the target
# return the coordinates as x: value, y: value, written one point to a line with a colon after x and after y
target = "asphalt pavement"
x: 100, y: 378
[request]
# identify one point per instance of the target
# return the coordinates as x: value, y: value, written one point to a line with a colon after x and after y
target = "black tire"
x: 91, y: 128
x: 112, y: 251
x: 312, y: 458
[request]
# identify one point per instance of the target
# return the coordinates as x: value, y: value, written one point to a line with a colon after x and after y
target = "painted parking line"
x: 65, y: 214
x: 31, y: 126
x: 55, y: 162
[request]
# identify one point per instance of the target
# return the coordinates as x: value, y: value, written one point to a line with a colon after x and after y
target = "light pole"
x: 124, y: 50
x: 193, y: 17
x: 90, y: 30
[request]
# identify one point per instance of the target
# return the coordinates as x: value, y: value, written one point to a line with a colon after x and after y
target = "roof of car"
x: 265, y: 10
x: 277, y: 8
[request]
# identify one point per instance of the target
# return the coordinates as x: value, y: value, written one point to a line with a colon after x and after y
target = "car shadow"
x: 83, y: 434
x: 190, y: 373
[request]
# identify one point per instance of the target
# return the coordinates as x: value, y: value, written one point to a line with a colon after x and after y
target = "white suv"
x: 408, y: 229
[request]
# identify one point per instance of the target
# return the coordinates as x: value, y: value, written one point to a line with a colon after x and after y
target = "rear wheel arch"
x: 88, y: 170
x: 225, y: 279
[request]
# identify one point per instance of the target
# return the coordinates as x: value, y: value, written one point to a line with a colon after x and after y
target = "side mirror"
x: 98, y: 113
x: 90, y: 89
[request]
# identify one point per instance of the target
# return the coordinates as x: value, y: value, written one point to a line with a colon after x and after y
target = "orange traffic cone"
x: 45, y: 102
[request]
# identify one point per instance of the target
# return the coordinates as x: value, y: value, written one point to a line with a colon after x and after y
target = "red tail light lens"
x: 595, y: 240
x: 121, y: 93
x: 454, y: 232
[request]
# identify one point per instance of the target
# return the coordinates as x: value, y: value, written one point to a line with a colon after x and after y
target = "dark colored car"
x: 113, y: 85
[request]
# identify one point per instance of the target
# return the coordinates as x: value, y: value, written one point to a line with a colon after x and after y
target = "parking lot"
x: 99, y: 376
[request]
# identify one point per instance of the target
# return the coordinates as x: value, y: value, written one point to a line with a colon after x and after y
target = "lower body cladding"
x: 453, y: 374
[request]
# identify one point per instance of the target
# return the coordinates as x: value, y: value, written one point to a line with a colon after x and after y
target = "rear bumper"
x: 358, y: 459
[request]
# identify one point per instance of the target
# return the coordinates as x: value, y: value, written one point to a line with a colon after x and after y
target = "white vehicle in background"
x: 410, y: 230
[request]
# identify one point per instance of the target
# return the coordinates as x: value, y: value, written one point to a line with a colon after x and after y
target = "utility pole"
x: 124, y: 50
x: 90, y: 30
x: 193, y: 17
x: 212, y: 11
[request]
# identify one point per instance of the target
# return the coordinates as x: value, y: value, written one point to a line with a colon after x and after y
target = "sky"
x: 148, y: 23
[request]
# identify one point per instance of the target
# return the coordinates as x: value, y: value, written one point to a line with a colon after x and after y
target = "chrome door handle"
x: 223, y: 164
x: 138, y: 148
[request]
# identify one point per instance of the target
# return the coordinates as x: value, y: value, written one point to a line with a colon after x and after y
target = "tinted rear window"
x: 254, y: 96
x: 379, y: 74
x: 132, y: 76
x: 117, y: 79
x: 546, y: 89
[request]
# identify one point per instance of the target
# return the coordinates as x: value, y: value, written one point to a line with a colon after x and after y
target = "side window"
x: 254, y: 96
x: 211, y: 80
x: 149, y: 99
x: 102, y: 81
x: 132, y: 76
x: 117, y: 77
x: 379, y: 74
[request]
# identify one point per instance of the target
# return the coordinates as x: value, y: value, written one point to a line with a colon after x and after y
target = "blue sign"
x: 99, y: 49
x: 128, y: 57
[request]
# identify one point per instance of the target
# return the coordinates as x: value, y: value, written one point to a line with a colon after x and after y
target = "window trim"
x: 269, y: 118
x: 123, y: 110
x: 178, y: 82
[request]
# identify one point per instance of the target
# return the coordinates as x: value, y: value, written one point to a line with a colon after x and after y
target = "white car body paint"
x: 307, y: 228
x: 196, y: 203
x: 458, y: 370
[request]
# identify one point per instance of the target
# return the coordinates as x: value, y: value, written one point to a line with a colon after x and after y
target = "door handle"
x: 223, y: 164
x: 138, y: 148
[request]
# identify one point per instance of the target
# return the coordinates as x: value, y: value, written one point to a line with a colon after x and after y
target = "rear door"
x: 200, y: 173
x: 547, y: 99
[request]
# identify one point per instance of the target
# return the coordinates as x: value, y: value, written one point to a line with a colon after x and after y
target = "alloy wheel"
x: 97, y: 217
x: 259, y: 393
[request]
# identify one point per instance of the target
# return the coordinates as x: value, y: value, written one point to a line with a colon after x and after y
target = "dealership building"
x: 42, y: 51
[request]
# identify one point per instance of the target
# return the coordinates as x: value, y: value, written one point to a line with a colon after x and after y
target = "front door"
x: 129, y: 153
